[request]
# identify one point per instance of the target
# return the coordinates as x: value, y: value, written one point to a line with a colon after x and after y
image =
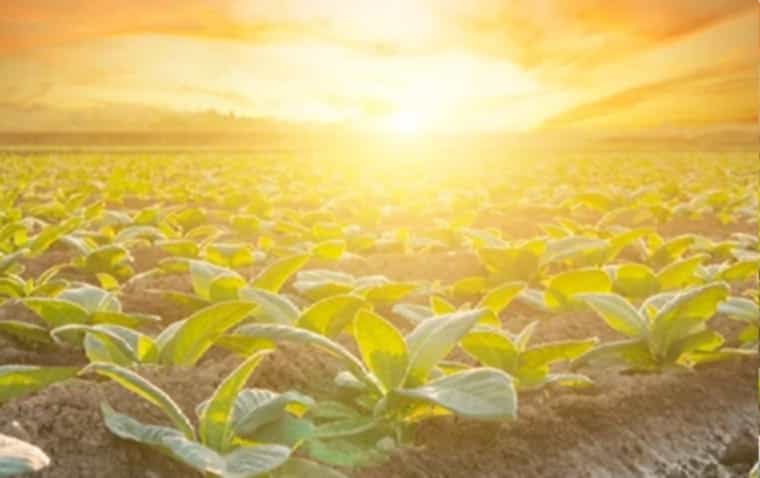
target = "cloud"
x: 682, y: 101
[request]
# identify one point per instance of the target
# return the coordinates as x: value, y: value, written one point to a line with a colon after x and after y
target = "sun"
x: 405, y: 123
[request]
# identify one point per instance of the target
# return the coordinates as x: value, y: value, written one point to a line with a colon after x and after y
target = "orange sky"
x: 482, y: 65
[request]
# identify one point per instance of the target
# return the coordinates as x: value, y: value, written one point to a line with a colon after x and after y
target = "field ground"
x: 670, y: 424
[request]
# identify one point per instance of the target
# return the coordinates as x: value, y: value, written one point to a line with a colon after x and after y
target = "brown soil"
x: 635, y: 426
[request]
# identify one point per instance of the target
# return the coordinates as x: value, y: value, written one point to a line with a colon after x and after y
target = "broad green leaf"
x: 225, y: 288
x: 204, y: 273
x: 331, y: 249
x: 229, y: 255
x: 387, y: 293
x: 123, y: 319
x: 481, y: 394
x: 705, y: 341
x: 57, y: 312
x: 25, y: 332
x: 441, y: 306
x: 492, y: 349
x: 382, y: 347
x: 635, y: 280
x: 190, y: 302
x: 51, y: 234
x: 671, y: 250
x: 18, y: 457
x: 92, y: 299
x: 215, y: 423
x: 145, y: 390
x: 255, y: 408
x: 331, y: 315
x: 413, y: 313
x: 180, y: 247
x: 272, y: 307
x: 168, y: 440
x: 499, y: 298
x: 741, y: 270
x: 255, y: 461
x: 275, y: 275
x: 548, y: 353
x: 574, y: 248
x: 681, y: 273
x: 196, y: 334
x: 346, y: 427
x: 289, y: 430
x: 562, y: 288
x: 626, y: 354
x: 740, y: 308
x: 433, y: 339
x: 285, y: 333
x: 469, y: 286
x: 683, y: 313
x: 19, y: 380
x: 617, y: 312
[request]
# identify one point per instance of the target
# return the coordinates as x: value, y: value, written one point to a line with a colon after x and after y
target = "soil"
x: 674, y: 426
x: 700, y: 424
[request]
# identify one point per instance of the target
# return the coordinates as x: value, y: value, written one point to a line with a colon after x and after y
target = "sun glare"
x: 405, y: 122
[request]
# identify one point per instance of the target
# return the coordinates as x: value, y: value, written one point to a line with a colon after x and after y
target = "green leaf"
x: 25, y: 331
x: 331, y: 315
x: 617, y: 312
x: 413, y: 313
x: 481, y: 394
x: 635, y: 280
x: 683, y: 314
x: 215, y: 423
x: 204, y: 273
x: 387, y: 293
x: 330, y: 250
x: 741, y: 270
x: 225, y: 288
x: 382, y: 347
x: 188, y: 342
x: 704, y: 341
x: 562, y: 289
x: 274, y: 277
x: 433, y: 339
x: 166, y: 439
x: 123, y: 319
x: 499, y: 298
x: 18, y: 457
x: 469, y: 286
x: 346, y: 427
x: 254, y: 461
x: 681, y: 273
x: 255, y: 408
x: 19, y: 380
x: 285, y: 333
x: 740, y: 308
x: 57, y: 312
x: 92, y: 299
x: 145, y: 390
x: 549, y: 353
x: 492, y: 348
x: 272, y: 307
x: 289, y: 430
x: 440, y: 306
x: 180, y: 247
x: 626, y: 354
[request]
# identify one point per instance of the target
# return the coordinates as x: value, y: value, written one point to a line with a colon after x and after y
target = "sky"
x: 399, y: 65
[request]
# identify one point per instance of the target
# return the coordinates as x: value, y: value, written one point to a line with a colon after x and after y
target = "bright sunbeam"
x: 405, y: 123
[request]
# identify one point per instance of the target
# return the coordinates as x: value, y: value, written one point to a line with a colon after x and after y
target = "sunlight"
x: 404, y: 122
